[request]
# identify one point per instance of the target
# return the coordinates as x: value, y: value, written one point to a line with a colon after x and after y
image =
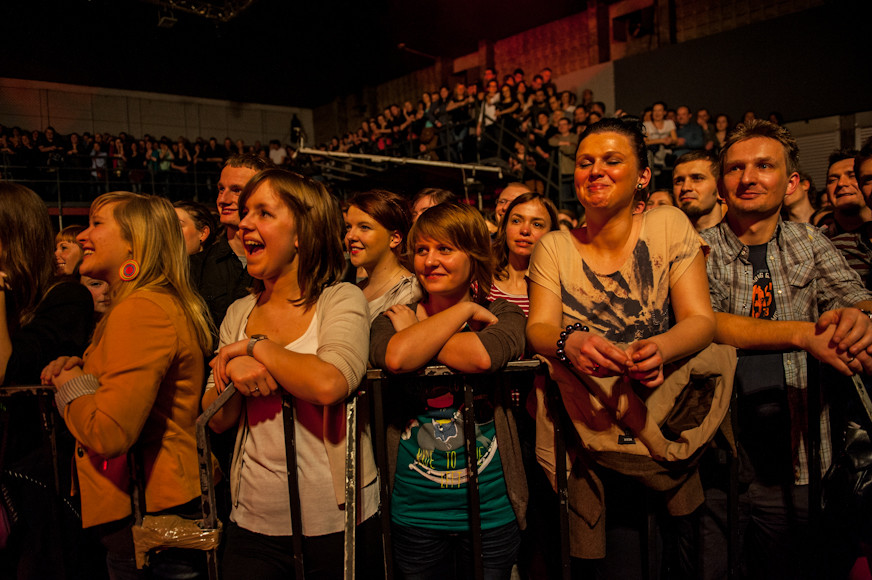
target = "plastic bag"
x: 170, y: 531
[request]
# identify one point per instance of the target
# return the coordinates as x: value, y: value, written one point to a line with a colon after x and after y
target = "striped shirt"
x: 855, y: 247
x: 520, y: 300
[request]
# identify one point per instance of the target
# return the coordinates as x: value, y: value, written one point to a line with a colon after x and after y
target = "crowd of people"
x: 649, y: 311
x: 529, y: 125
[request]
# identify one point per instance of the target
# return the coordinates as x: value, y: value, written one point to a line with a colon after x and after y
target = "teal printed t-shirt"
x: 430, y: 483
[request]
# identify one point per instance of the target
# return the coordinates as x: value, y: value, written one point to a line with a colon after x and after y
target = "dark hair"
x: 841, y: 155
x: 390, y: 210
x: 701, y: 155
x: 759, y: 128
x: 202, y: 218
x: 500, y: 248
x: 463, y: 227
x: 26, y: 246
x: 319, y: 225
x: 864, y: 155
x: 629, y: 127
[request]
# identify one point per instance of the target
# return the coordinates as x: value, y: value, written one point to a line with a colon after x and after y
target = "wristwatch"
x: 255, y: 338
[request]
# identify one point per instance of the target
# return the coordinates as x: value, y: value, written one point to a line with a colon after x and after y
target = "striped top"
x: 857, y: 253
x: 520, y: 300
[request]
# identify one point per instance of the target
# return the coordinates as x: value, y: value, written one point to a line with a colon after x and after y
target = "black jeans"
x: 249, y: 555
x: 424, y: 554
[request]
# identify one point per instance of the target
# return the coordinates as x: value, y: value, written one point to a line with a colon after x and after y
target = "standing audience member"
x: 778, y: 289
x: 635, y: 285
x: 221, y: 287
x: 565, y: 143
x: 42, y: 316
x: 660, y: 137
x: 303, y: 333
x: 528, y: 217
x: 135, y: 393
x: 722, y: 130
x: 68, y: 252
x: 456, y: 326
x: 690, y: 134
x: 695, y: 186
x: 856, y: 246
x: 849, y: 206
x: 376, y: 225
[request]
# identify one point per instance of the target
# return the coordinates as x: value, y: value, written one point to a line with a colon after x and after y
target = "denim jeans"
x: 172, y: 564
x: 424, y: 554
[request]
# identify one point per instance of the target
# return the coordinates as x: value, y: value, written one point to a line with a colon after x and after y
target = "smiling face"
x: 755, y: 178
x: 864, y: 180
x: 695, y: 187
x: 607, y: 172
x: 230, y: 185
x: 67, y: 257
x: 368, y: 242
x: 526, y: 224
x: 99, y: 291
x: 104, y: 245
x: 842, y: 189
x: 269, y: 235
x: 442, y: 269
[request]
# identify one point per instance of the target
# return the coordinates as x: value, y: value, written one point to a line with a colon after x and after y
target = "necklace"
x: 377, y: 293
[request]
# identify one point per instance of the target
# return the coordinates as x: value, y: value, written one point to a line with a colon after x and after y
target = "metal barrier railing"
x: 373, y: 394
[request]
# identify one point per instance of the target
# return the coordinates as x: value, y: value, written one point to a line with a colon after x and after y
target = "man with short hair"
x: 507, y: 196
x: 237, y: 171
x: 849, y: 206
x: 690, y: 134
x: 856, y: 246
x: 695, y: 188
x: 779, y: 290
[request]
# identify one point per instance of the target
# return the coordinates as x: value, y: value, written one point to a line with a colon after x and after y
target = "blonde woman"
x: 136, y: 391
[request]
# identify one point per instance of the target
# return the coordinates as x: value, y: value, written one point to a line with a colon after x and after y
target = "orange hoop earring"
x: 129, y: 270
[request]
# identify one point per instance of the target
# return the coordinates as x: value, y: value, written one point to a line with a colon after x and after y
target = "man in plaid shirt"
x: 779, y: 290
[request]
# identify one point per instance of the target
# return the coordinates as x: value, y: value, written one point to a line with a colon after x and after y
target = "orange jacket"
x: 150, y: 371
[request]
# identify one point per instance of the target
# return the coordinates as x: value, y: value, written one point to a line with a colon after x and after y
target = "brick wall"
x: 562, y: 45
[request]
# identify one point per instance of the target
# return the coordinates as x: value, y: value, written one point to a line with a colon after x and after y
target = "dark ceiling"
x: 283, y: 52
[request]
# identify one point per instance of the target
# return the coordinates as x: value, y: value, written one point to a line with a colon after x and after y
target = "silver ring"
x: 595, y: 368
x: 850, y: 360
x: 256, y: 389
